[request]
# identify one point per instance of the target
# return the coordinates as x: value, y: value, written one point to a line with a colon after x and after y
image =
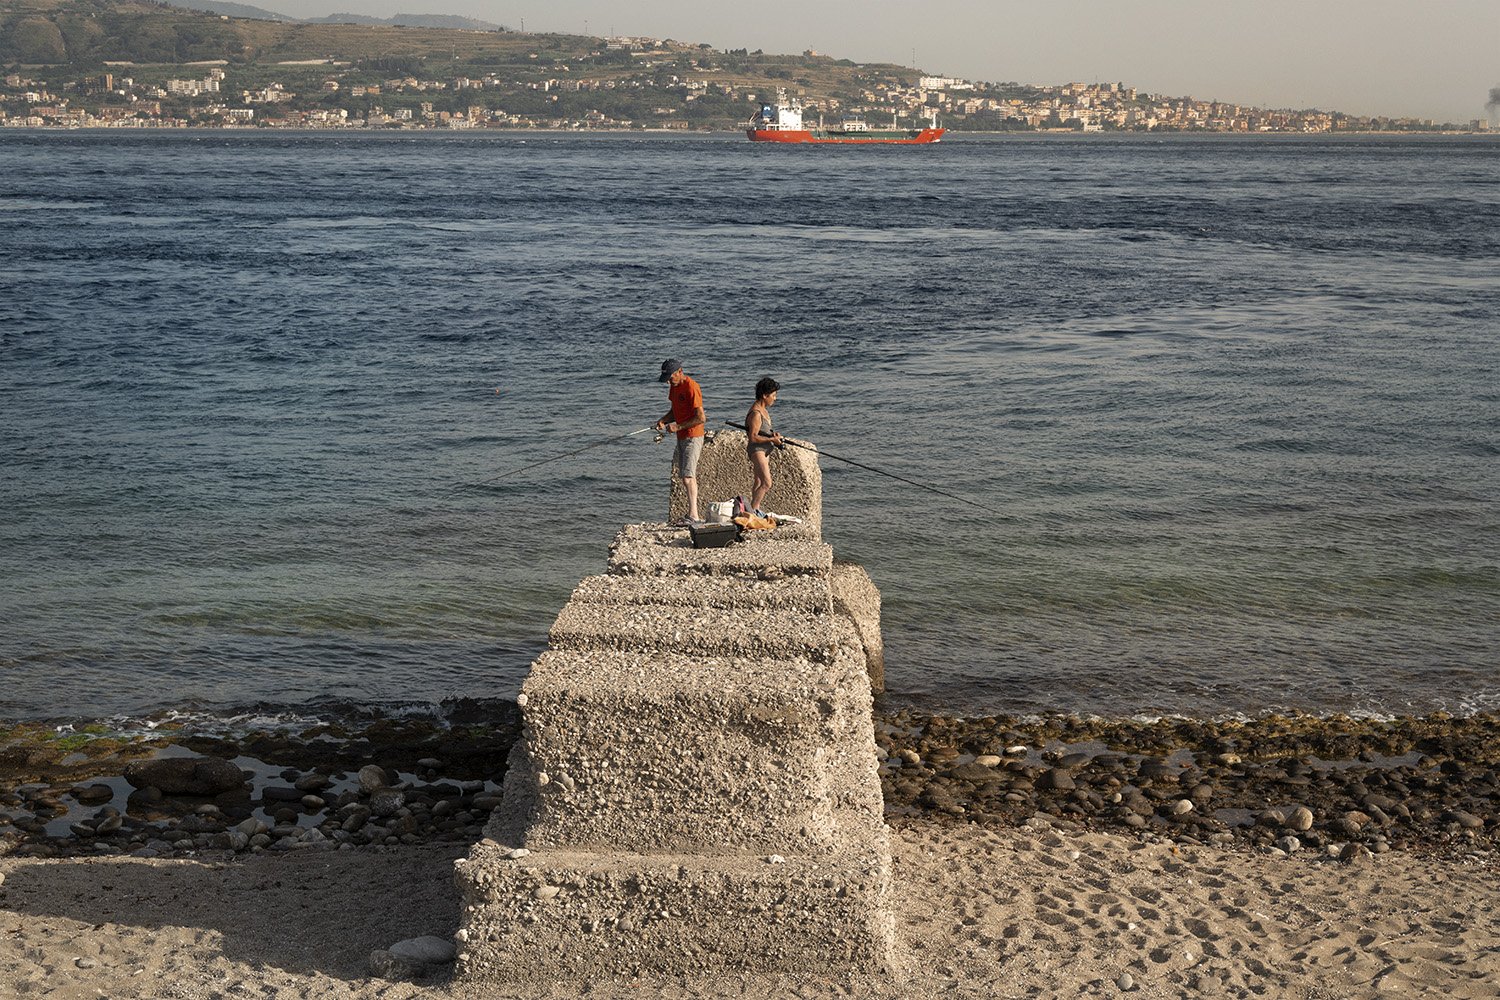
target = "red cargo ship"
x: 782, y: 122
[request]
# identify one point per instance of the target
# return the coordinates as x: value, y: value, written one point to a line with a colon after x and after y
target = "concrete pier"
x: 695, y: 787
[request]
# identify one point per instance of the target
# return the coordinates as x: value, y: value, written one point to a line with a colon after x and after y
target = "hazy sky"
x: 1426, y: 58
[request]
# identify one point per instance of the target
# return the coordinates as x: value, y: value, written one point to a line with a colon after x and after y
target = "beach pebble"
x: 427, y: 950
x: 1466, y: 820
x: 85, y: 963
x: 1182, y: 807
x: 1299, y: 819
x: 386, y: 802
x: 371, y: 778
x: 430, y: 763
x: 1356, y: 854
x: 91, y: 795
x: 185, y: 775
x: 546, y: 892
x: 1056, y: 779
x: 1126, y: 981
x: 518, y: 854
x: 313, y: 782
x: 521, y: 699
x: 987, y: 760
x: 312, y: 802
x: 1289, y: 844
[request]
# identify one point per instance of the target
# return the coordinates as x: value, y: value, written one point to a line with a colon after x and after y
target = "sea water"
x: 1228, y: 406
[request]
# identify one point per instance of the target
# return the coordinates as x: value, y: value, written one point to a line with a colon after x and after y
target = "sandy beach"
x: 1040, y: 910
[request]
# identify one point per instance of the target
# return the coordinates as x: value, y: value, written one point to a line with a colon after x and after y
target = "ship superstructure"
x: 782, y: 122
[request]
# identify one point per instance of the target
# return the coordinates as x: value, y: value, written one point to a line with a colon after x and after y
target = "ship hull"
x: 904, y: 137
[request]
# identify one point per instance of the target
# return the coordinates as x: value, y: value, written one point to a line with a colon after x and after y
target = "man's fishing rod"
x: 566, y: 454
x: 869, y: 468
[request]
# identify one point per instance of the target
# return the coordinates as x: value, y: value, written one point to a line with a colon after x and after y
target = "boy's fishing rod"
x: 869, y: 468
x: 555, y: 458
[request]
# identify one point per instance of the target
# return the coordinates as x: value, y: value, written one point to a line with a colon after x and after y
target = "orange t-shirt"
x: 686, y: 398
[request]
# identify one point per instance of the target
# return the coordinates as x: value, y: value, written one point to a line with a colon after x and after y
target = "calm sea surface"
x: 1233, y: 405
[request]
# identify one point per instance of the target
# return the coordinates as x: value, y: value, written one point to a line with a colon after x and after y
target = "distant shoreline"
x: 950, y: 136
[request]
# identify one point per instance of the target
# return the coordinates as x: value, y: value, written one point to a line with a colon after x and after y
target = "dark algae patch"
x: 1315, y: 785
x: 372, y: 781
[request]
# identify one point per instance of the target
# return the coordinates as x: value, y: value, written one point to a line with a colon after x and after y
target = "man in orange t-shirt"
x: 687, y: 419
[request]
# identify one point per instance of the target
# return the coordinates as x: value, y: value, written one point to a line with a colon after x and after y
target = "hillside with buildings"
x: 127, y: 63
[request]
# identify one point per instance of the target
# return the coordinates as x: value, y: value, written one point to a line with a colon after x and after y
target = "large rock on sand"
x: 185, y: 775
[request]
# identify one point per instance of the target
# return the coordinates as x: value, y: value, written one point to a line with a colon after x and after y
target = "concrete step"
x: 797, y: 593
x: 670, y: 751
x: 704, y: 631
x: 657, y: 550
x: 583, y: 914
x: 855, y: 596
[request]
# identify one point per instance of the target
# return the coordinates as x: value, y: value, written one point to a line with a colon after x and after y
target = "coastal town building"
x: 678, y: 91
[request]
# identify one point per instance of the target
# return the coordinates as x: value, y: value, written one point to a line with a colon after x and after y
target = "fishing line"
x: 871, y: 468
x: 555, y: 458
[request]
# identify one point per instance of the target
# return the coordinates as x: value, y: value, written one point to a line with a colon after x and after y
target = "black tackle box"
x: 713, y: 536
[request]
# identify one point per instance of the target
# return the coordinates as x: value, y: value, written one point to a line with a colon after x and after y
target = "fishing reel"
x: 661, y: 432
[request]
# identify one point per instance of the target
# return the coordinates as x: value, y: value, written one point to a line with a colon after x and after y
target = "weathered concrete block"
x: 764, y: 597
x: 657, y: 550
x: 696, y: 777
x: 724, y: 472
x: 855, y: 595
x: 704, y: 631
x: 576, y: 915
x: 676, y: 752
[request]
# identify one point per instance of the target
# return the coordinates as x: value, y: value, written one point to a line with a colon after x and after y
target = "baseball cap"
x: 668, y: 367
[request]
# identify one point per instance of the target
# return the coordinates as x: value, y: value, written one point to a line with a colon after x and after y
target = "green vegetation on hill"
x: 303, y: 73
x: 84, y: 33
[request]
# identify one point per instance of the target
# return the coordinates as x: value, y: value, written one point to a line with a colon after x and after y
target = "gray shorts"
x: 688, y: 450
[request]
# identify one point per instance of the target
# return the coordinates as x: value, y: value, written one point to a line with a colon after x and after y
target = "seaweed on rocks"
x: 377, y: 781
x: 1335, y: 786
